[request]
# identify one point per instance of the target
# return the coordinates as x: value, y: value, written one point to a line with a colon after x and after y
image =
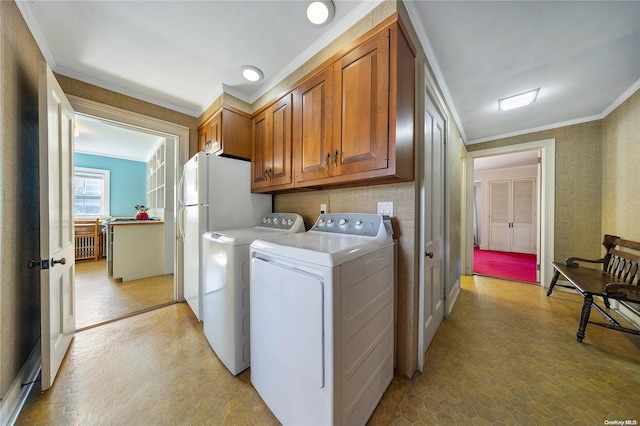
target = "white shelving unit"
x: 156, y: 179
x: 160, y: 195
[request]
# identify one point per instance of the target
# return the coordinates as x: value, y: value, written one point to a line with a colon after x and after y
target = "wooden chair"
x: 619, y: 279
x: 88, y: 239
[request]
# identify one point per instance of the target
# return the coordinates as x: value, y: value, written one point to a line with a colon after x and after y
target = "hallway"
x: 506, y: 355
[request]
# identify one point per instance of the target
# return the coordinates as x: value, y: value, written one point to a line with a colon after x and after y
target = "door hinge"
x: 539, y: 160
x: 38, y: 263
x: 538, y: 267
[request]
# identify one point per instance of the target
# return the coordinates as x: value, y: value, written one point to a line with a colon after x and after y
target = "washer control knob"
x: 330, y: 222
x: 289, y: 222
x: 275, y: 220
x: 321, y: 222
x: 359, y: 224
x: 343, y: 223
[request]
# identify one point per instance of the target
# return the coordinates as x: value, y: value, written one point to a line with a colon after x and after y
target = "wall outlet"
x: 323, y: 208
x: 385, y: 208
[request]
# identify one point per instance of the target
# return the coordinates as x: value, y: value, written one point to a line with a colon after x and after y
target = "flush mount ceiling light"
x: 517, y: 101
x: 320, y: 12
x: 252, y: 73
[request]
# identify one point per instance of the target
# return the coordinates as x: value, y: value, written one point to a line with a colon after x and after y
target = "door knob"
x: 429, y: 254
x: 62, y: 261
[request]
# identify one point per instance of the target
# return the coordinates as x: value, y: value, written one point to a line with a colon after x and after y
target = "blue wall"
x: 128, y: 181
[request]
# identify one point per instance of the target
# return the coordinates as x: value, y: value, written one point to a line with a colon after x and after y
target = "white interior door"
x: 512, y: 215
x: 56, y: 225
x: 432, y: 207
x: 499, y: 215
x: 523, y: 214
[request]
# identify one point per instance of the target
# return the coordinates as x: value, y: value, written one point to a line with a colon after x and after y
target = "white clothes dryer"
x: 226, y: 285
x: 322, y: 320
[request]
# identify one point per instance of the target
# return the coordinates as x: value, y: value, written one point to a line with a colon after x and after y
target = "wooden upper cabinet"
x: 354, y: 121
x: 313, y: 127
x: 226, y: 133
x: 361, y: 107
x: 271, y: 167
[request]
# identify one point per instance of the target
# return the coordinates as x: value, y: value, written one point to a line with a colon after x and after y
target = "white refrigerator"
x: 214, y: 193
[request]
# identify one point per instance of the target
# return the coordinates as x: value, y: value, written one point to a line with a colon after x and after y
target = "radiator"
x: 85, y: 246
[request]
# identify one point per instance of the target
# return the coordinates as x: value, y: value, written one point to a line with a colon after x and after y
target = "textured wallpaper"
x: 578, y: 190
x: 620, y: 162
x: 20, y: 200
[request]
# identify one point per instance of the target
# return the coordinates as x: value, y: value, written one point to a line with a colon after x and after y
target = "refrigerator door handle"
x: 181, y: 190
x: 181, y: 221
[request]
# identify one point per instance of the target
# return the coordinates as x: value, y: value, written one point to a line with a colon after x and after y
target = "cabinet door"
x: 361, y: 107
x: 214, y: 133
x: 203, y: 137
x: 271, y: 134
x: 313, y: 133
x: 279, y: 162
x: 209, y: 135
x: 261, y: 147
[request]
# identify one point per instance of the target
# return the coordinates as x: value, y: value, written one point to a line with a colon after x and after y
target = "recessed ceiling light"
x: 517, y: 101
x: 252, y: 73
x: 320, y: 11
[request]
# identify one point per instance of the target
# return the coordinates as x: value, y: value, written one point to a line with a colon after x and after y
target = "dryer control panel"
x: 282, y: 221
x: 360, y: 224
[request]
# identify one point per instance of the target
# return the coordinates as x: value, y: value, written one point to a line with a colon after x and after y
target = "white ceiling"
x: 584, y: 56
x: 99, y: 137
x: 514, y: 159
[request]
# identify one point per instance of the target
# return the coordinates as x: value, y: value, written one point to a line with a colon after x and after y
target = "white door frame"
x: 547, y: 203
x: 143, y: 122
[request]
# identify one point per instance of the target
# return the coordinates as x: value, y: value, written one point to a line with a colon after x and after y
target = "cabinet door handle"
x: 335, y: 157
x: 326, y: 160
x: 264, y: 175
x: 269, y: 172
x: 429, y: 254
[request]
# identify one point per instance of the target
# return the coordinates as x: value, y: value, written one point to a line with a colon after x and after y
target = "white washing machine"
x: 226, y: 285
x: 322, y: 320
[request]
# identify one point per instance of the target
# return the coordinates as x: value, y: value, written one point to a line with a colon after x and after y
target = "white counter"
x: 138, y: 249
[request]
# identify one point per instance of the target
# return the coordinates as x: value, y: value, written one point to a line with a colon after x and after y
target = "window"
x: 91, y: 192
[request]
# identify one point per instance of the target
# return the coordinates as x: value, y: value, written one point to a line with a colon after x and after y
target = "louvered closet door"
x: 523, y: 216
x: 512, y: 215
x: 499, y: 215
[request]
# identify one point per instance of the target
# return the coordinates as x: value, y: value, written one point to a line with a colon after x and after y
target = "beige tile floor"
x: 507, y: 355
x: 100, y: 298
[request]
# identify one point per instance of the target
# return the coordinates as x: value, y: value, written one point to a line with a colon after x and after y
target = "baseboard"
x: 630, y: 313
x: 452, y: 297
x: 13, y: 401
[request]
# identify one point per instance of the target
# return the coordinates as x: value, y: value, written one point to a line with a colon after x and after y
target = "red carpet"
x: 511, y: 266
